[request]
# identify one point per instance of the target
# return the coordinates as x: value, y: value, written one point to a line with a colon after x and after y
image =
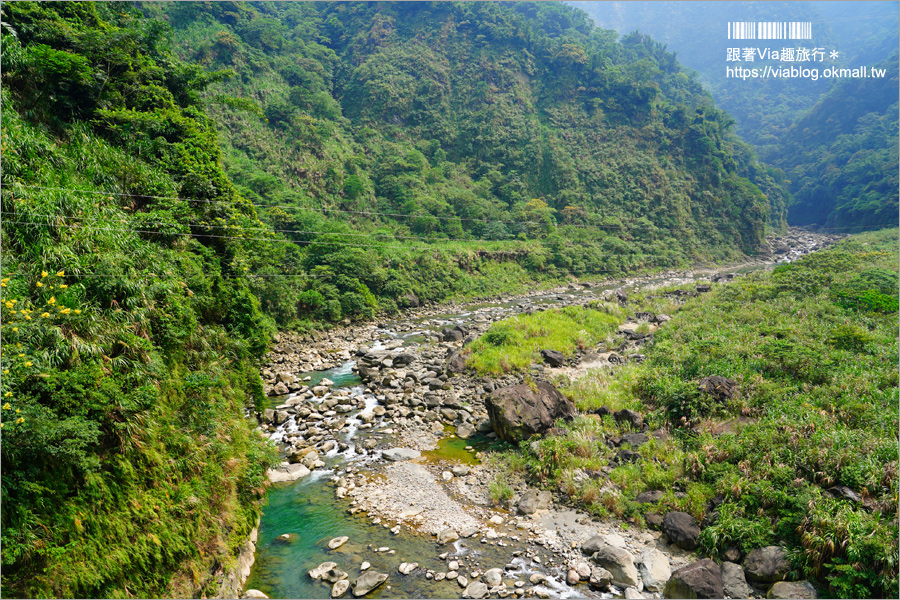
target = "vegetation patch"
x: 513, y: 344
x: 818, y: 384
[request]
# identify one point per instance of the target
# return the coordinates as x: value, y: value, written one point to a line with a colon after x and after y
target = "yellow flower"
x: 27, y: 318
x: 77, y: 311
x: 63, y: 286
x: 29, y: 363
x: 15, y: 329
x: 7, y: 395
x: 12, y: 312
x: 39, y: 284
x: 7, y: 406
x: 45, y: 315
x: 18, y: 410
x: 20, y: 420
x: 60, y: 273
x: 6, y: 371
x: 52, y: 300
x: 65, y: 311
x: 43, y: 274
x: 1, y: 425
x: 21, y: 356
x: 8, y: 304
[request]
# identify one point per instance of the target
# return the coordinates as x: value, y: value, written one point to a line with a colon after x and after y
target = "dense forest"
x: 180, y: 180
x: 787, y: 120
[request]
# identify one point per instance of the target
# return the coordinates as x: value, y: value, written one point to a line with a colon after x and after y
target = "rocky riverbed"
x: 389, y: 424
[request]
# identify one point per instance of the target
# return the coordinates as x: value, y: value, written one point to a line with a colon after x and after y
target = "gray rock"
x: 554, y: 358
x: 600, y: 578
x: 446, y: 536
x: 333, y: 575
x: 322, y: 569
x: 493, y: 577
x: 518, y: 412
x: 650, y: 497
x: 734, y: 582
x: 340, y: 588
x: 396, y: 454
x: 572, y: 577
x: 335, y: 543
x: 630, y: 417
x: 632, y: 594
x: 287, y: 472
x: 476, y: 589
x: 367, y: 582
x: 407, y: 568
x: 793, y: 589
x: 654, y: 568
x: 255, y: 594
x: 464, y: 431
x: 703, y: 579
x: 766, y: 565
x: 593, y: 544
x: 619, y: 563
x: 842, y: 491
x: 534, y: 500
x: 720, y: 388
x: 682, y: 529
x: 456, y: 363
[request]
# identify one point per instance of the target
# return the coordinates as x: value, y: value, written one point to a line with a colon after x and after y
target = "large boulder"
x: 456, y: 363
x: 339, y: 588
x: 554, y: 358
x: 682, y: 529
x: 465, y: 430
x: 518, y: 412
x: 793, y: 589
x: 703, y: 579
x: 630, y: 418
x: 734, y: 582
x: 476, y: 589
x: 766, y: 565
x: 446, y: 536
x: 619, y: 563
x: 322, y: 569
x: 367, y: 582
x: 287, y: 472
x: 533, y: 500
x: 654, y: 568
x: 396, y: 454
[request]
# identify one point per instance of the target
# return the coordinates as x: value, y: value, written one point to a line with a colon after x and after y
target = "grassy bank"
x: 813, y: 349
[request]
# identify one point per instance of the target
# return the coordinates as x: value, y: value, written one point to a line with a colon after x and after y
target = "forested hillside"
x: 841, y: 156
x: 480, y: 122
x: 173, y: 193
x: 129, y: 336
x: 772, y: 114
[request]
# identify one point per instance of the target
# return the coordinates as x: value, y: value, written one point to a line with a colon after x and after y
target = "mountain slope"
x: 457, y: 116
x: 784, y: 118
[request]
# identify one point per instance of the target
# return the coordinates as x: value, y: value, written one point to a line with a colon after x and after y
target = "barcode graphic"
x: 770, y: 30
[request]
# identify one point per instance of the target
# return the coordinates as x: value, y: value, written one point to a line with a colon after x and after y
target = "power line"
x: 292, y: 207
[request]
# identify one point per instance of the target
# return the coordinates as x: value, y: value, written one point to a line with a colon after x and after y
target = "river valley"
x: 386, y: 442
